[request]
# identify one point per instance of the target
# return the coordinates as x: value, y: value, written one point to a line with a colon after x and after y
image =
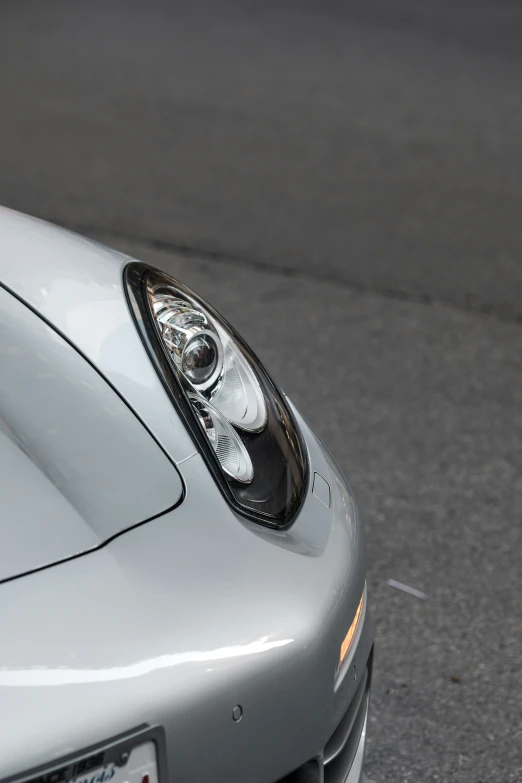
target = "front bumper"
x: 180, y: 620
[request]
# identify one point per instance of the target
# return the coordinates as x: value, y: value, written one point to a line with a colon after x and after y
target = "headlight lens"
x: 200, y: 359
x: 232, y: 455
x: 237, y: 415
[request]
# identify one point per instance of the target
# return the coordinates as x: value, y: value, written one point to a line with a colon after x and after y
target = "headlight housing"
x: 237, y: 416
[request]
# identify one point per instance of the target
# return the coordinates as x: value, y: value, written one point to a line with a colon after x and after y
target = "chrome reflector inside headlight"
x: 209, y: 360
x: 191, y: 341
x: 230, y: 450
x: 239, y: 418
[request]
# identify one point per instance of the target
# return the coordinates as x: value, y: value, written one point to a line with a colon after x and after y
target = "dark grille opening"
x: 341, y: 735
x: 308, y: 773
x: 342, y: 746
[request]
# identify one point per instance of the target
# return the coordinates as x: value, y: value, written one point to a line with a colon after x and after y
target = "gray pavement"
x: 343, y: 181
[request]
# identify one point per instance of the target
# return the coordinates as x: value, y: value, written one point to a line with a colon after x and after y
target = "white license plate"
x: 140, y: 767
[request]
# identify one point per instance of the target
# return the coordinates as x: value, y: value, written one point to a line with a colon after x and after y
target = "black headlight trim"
x: 137, y: 277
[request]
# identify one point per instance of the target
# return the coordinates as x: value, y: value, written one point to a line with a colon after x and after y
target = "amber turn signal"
x: 352, y: 631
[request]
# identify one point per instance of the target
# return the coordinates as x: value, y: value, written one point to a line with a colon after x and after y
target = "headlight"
x: 239, y: 419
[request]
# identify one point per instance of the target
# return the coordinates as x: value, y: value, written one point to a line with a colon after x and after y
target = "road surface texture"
x: 344, y: 181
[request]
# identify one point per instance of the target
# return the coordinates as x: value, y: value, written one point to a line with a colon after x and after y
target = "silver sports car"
x: 182, y: 564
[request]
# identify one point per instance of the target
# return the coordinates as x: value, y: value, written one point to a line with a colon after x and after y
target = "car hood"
x: 76, y: 285
x: 77, y: 467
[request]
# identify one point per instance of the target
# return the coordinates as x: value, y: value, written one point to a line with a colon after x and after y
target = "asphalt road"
x: 343, y: 180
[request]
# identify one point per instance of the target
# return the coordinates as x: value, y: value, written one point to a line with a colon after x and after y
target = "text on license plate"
x: 141, y: 767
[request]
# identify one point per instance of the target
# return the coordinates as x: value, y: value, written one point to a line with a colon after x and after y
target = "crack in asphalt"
x: 470, y: 305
